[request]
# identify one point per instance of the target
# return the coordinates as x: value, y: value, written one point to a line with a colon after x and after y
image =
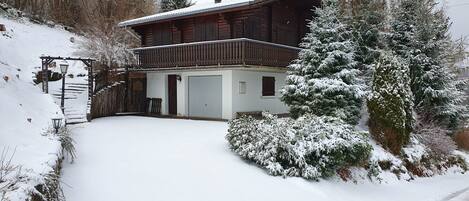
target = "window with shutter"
x: 268, y: 86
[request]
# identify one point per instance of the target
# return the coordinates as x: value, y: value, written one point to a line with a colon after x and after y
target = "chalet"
x: 216, y: 58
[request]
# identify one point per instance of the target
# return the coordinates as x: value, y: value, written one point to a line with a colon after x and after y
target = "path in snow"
x: 76, y: 98
x: 137, y: 158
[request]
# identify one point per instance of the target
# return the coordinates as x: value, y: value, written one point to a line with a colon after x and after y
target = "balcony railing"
x: 221, y: 53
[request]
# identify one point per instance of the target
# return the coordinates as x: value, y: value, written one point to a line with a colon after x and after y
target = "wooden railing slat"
x: 213, y: 53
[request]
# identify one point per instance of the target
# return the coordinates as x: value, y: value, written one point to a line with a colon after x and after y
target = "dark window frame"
x: 268, y: 86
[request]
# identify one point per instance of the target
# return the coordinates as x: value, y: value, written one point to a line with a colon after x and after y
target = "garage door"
x: 205, y: 96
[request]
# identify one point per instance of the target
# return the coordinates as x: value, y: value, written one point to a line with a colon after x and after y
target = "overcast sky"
x: 458, y: 11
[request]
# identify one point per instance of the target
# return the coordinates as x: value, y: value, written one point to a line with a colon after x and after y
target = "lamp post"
x: 63, y: 70
x: 56, y: 122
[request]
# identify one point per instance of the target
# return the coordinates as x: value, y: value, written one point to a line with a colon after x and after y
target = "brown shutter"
x: 268, y: 86
x: 161, y: 34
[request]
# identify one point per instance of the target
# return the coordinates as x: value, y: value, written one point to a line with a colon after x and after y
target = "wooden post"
x: 45, y: 76
x: 90, y: 89
x: 126, y: 90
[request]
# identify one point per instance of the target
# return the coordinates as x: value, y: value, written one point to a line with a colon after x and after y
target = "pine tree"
x: 367, y: 21
x: 420, y: 34
x: 324, y: 81
x: 390, y: 103
x: 169, y: 5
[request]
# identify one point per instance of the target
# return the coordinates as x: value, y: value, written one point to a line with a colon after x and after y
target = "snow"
x: 200, y: 6
x: 26, y: 112
x: 28, y: 41
x: 170, y: 159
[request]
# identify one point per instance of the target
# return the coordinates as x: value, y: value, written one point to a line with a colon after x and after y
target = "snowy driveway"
x: 149, y: 159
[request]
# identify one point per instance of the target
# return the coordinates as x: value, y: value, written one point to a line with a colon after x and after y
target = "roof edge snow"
x: 186, y: 12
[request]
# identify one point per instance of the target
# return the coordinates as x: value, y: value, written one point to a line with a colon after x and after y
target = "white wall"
x: 253, y: 99
x: 157, y: 88
x: 232, y: 100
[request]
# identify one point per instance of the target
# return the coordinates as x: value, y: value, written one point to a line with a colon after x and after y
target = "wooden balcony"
x: 219, y: 54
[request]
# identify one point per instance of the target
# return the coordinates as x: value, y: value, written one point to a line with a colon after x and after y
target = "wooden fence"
x: 109, y: 101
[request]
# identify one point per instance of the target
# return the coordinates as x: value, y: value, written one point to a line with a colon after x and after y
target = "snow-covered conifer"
x: 420, y: 34
x: 390, y: 103
x: 324, y: 80
x: 368, y: 22
x: 168, y: 5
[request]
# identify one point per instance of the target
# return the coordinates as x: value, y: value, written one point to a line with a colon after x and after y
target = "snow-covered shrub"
x: 435, y: 138
x: 311, y: 147
x: 424, y: 157
x: 390, y: 103
x: 51, y: 190
x: 10, y: 175
x: 110, y: 46
x: 66, y: 141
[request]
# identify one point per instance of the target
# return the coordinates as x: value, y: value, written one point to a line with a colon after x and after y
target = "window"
x: 268, y: 86
x: 242, y: 87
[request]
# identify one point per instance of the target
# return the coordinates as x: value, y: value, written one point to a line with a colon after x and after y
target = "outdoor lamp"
x: 56, y: 122
x: 64, y: 67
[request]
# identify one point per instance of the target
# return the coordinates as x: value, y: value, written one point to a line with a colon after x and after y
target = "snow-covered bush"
x: 110, y: 46
x: 390, y: 103
x: 67, y: 143
x: 311, y: 147
x: 435, y: 138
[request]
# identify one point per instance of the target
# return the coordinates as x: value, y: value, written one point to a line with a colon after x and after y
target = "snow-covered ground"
x: 138, y: 158
x: 27, y: 41
x: 26, y: 112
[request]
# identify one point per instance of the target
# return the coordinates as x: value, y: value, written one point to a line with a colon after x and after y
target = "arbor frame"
x: 47, y: 60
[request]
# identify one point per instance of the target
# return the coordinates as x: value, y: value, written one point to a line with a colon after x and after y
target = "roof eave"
x: 151, y: 20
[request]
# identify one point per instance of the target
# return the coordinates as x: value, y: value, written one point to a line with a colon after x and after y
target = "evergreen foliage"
x: 324, y: 80
x: 311, y: 147
x: 390, y: 103
x: 169, y: 5
x: 368, y: 22
x: 420, y: 35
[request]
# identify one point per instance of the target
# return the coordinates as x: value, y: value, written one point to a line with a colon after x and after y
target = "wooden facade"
x: 257, y: 34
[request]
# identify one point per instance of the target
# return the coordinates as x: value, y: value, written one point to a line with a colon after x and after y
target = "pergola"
x: 47, y: 60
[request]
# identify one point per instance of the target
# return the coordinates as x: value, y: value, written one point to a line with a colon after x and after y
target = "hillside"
x: 26, y: 112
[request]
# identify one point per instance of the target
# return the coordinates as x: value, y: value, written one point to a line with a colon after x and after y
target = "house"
x: 216, y: 59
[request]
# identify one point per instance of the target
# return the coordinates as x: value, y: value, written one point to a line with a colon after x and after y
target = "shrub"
x: 435, y: 138
x: 390, y: 103
x: 462, y: 139
x: 66, y: 141
x: 310, y: 147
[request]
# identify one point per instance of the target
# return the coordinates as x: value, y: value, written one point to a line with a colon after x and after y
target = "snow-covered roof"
x: 200, y: 6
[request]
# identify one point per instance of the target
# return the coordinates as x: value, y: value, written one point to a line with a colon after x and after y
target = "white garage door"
x: 205, y: 96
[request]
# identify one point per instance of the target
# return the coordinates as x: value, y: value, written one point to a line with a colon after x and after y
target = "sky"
x: 458, y: 11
